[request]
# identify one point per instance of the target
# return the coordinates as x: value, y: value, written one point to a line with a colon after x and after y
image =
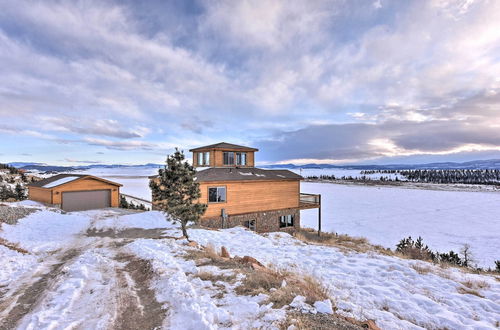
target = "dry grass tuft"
x: 346, y: 242
x: 464, y: 290
x: 302, y: 321
x: 422, y: 270
x: 473, y: 287
x: 261, y: 281
x: 475, y: 284
x: 13, y: 246
x: 208, y: 276
x: 306, y: 286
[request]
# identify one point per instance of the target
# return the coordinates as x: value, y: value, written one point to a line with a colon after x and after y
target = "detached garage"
x: 76, y: 192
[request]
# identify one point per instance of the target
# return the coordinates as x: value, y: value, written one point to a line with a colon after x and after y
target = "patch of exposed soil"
x: 137, y: 304
x: 10, y: 215
x: 319, y: 322
x: 131, y: 233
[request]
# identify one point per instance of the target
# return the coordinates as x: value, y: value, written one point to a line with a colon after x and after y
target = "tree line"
x: 464, y: 176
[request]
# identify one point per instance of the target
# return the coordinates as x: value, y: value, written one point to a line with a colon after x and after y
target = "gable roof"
x: 61, y: 179
x: 225, y: 146
x: 244, y: 174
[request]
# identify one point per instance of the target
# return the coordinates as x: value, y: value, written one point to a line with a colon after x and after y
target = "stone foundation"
x: 267, y: 221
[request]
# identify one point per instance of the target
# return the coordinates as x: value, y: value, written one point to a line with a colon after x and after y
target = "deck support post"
x: 319, y: 215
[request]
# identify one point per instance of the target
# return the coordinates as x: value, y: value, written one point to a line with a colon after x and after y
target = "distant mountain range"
x: 476, y: 164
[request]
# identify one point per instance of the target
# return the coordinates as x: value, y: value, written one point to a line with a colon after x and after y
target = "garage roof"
x: 60, y: 179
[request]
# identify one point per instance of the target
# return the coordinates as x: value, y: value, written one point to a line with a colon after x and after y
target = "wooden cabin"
x: 239, y: 194
x: 75, y: 192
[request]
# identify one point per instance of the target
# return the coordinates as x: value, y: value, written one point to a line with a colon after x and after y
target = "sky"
x: 341, y: 82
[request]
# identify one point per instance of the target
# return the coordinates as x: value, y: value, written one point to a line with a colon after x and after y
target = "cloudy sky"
x: 305, y: 81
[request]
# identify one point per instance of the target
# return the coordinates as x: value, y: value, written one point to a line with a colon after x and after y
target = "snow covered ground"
x: 72, y: 280
x: 445, y: 219
x: 370, y: 286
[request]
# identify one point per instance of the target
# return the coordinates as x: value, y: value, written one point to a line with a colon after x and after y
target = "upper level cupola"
x: 223, y: 155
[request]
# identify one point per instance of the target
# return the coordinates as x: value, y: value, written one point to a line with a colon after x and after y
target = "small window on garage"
x: 286, y: 221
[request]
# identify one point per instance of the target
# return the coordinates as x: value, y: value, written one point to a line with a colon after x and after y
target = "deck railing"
x: 310, y: 200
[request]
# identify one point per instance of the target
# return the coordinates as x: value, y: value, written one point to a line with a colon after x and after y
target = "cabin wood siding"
x: 254, y: 196
x: 40, y: 195
x: 86, y: 184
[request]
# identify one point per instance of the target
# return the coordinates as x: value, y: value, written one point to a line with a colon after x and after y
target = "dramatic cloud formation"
x: 324, y: 81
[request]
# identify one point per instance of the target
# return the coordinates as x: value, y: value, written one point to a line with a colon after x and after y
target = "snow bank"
x: 371, y: 286
x: 13, y: 264
x: 144, y: 220
x: 45, y: 231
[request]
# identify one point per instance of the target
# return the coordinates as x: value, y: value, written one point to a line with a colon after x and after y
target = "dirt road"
x: 94, y: 284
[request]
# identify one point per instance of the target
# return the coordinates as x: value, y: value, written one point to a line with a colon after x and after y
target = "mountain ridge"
x: 475, y: 164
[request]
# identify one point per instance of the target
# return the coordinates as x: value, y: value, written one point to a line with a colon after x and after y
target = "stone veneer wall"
x: 267, y: 221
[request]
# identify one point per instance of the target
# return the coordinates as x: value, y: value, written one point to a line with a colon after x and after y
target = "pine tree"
x: 20, y: 192
x: 177, y: 192
x: 123, y: 202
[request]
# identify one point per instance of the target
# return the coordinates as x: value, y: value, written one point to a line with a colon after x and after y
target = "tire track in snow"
x: 25, y: 299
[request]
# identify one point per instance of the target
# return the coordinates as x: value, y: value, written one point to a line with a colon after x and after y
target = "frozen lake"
x: 445, y: 219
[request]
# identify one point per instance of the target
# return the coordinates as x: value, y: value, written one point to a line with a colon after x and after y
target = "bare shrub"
x: 358, y: 244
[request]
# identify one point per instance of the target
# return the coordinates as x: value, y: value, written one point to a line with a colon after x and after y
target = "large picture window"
x: 228, y: 158
x: 286, y: 221
x: 216, y: 194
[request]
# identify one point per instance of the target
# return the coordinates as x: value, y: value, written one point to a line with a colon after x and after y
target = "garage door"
x: 85, y: 200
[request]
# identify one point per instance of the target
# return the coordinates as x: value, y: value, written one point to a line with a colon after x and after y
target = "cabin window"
x: 216, y: 194
x: 286, y: 221
x: 204, y: 158
x: 228, y: 158
x: 241, y: 158
x: 250, y: 224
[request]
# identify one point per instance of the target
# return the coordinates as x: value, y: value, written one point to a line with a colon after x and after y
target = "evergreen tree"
x: 20, y: 192
x: 176, y: 191
x: 123, y: 202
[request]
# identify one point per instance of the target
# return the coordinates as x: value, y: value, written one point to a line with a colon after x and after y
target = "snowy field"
x: 445, y: 219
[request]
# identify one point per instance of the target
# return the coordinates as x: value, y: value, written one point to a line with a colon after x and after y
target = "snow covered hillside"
x: 112, y: 267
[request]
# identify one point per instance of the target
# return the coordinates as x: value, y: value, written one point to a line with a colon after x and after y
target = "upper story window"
x: 204, y: 158
x: 216, y: 194
x: 228, y: 158
x: 235, y: 158
x: 241, y: 158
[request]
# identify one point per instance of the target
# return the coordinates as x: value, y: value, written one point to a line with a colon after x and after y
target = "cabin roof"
x: 215, y: 174
x: 224, y: 146
x: 60, y: 179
